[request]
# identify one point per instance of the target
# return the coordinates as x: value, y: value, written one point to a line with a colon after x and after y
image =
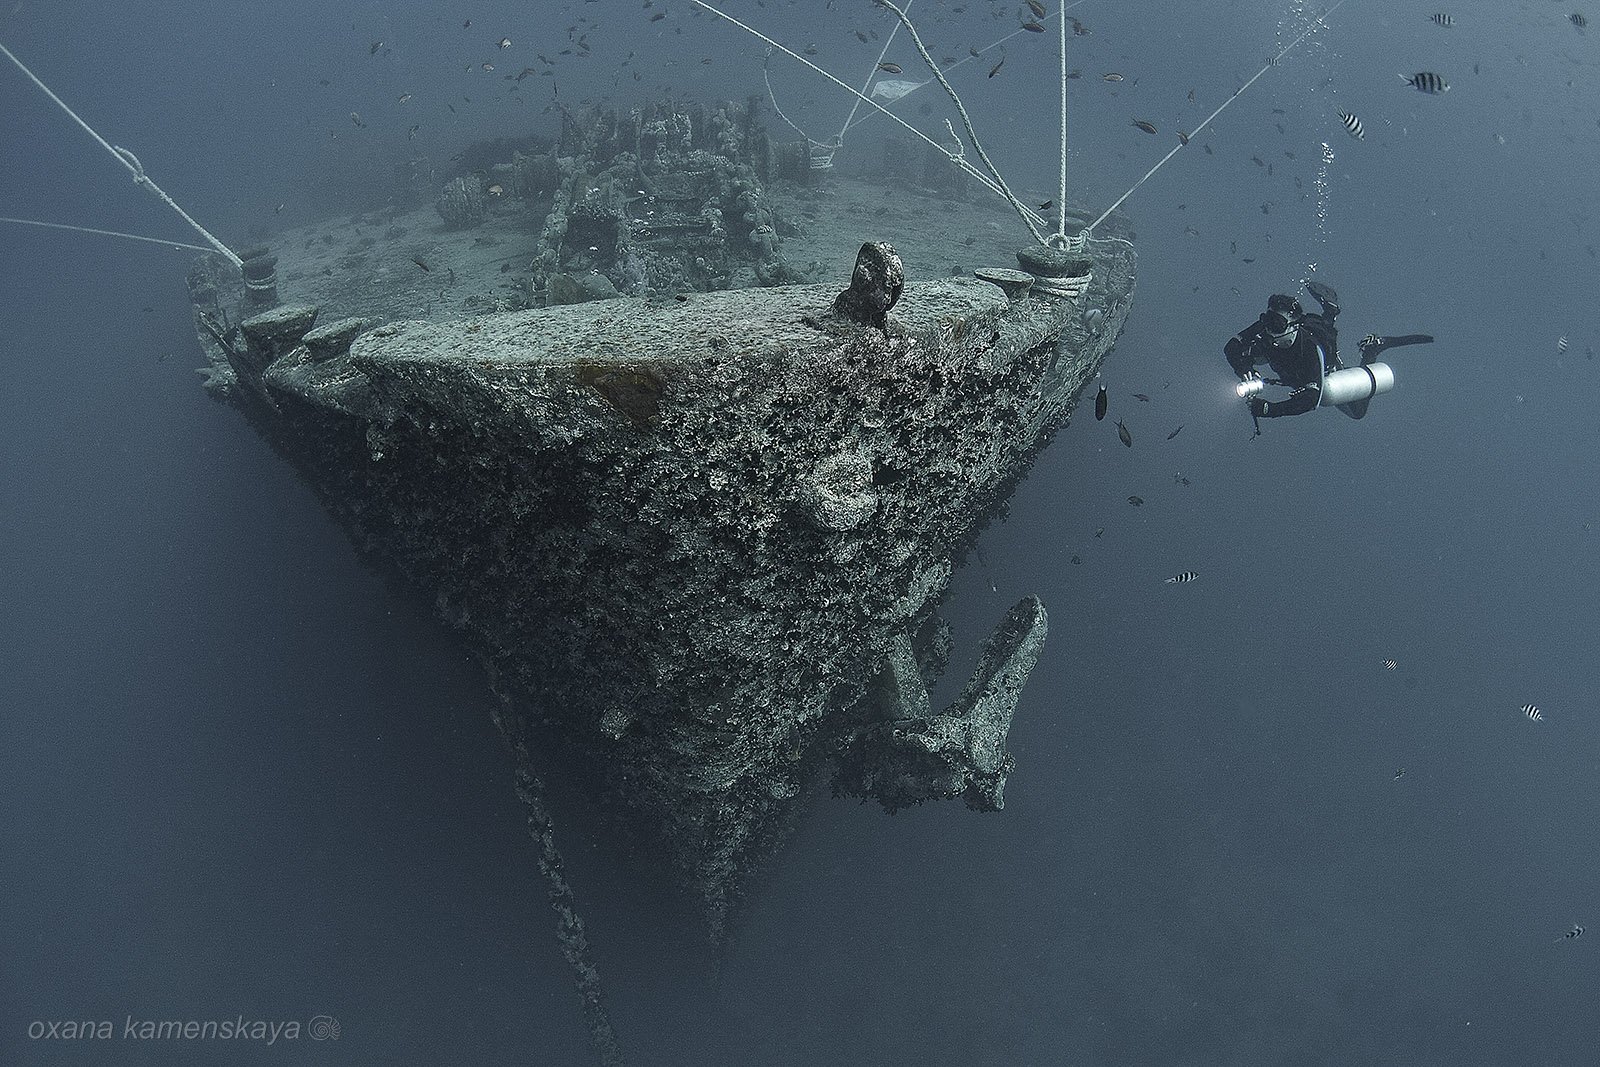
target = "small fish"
x: 419, y: 262
x: 279, y: 209
x: 1183, y: 138
x: 1141, y: 397
x: 1174, y: 433
x: 1112, y: 76
x: 374, y: 49
x: 1426, y: 82
x: 355, y: 118
x: 1185, y: 576
x: 1561, y: 344
x: 863, y: 38
x: 1145, y: 126
x: 1101, y: 402
x: 996, y: 68
x: 1123, y: 435
x: 891, y: 68
x: 525, y: 72
x: 1389, y: 664
x: 658, y: 16
x: 1352, y: 124
x: 1078, y: 28
x: 1032, y: 27
x: 1191, y: 96
x: 1399, y: 774
x: 1100, y: 532
x: 488, y: 66
x: 403, y: 98
x: 1037, y: 8
x: 1532, y: 712
x: 467, y: 24
x: 505, y: 42
x: 1047, y: 205
x: 1442, y: 19
x: 496, y: 190
x: 1136, y: 501
x: 1076, y: 561
x: 1573, y: 934
x: 1577, y: 19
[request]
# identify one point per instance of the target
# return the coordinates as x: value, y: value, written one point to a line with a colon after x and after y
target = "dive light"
x: 1251, y: 386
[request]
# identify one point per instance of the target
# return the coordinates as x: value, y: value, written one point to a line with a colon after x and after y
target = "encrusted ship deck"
x: 704, y: 533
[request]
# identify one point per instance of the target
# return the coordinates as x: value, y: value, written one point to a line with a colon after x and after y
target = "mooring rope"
x: 954, y: 157
x: 855, y: 105
x: 127, y: 159
x: 966, y: 120
x: 105, y: 233
x: 1182, y: 144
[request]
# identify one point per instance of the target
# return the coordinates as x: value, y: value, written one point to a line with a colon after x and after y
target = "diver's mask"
x: 1280, y: 328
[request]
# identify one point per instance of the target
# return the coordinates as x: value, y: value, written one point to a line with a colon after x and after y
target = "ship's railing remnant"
x: 128, y: 160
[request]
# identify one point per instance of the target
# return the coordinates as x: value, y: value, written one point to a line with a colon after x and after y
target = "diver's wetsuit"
x: 1301, y: 366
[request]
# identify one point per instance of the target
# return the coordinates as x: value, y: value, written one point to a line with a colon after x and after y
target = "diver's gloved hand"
x: 1326, y: 296
x: 1259, y: 407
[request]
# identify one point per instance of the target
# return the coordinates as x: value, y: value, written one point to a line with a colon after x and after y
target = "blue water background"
x: 242, y: 776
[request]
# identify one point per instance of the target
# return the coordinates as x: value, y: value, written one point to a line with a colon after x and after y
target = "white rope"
x: 966, y: 121
x: 856, y: 104
x: 1236, y: 94
x: 1061, y: 225
x: 105, y: 233
x: 127, y: 159
x: 955, y: 158
x: 969, y: 57
x: 774, y: 98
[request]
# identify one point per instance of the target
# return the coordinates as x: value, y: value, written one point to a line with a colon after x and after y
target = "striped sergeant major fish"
x: 1389, y: 664
x: 1532, y: 712
x: 1572, y: 934
x: 1561, y: 344
x: 1577, y: 19
x: 1353, y: 124
x: 1426, y: 82
x: 1441, y: 19
x: 1186, y: 576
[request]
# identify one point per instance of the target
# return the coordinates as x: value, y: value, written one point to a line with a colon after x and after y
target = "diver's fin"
x: 1356, y: 409
x: 1373, y: 346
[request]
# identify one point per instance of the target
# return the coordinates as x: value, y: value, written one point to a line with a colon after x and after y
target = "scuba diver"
x: 1302, y: 350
